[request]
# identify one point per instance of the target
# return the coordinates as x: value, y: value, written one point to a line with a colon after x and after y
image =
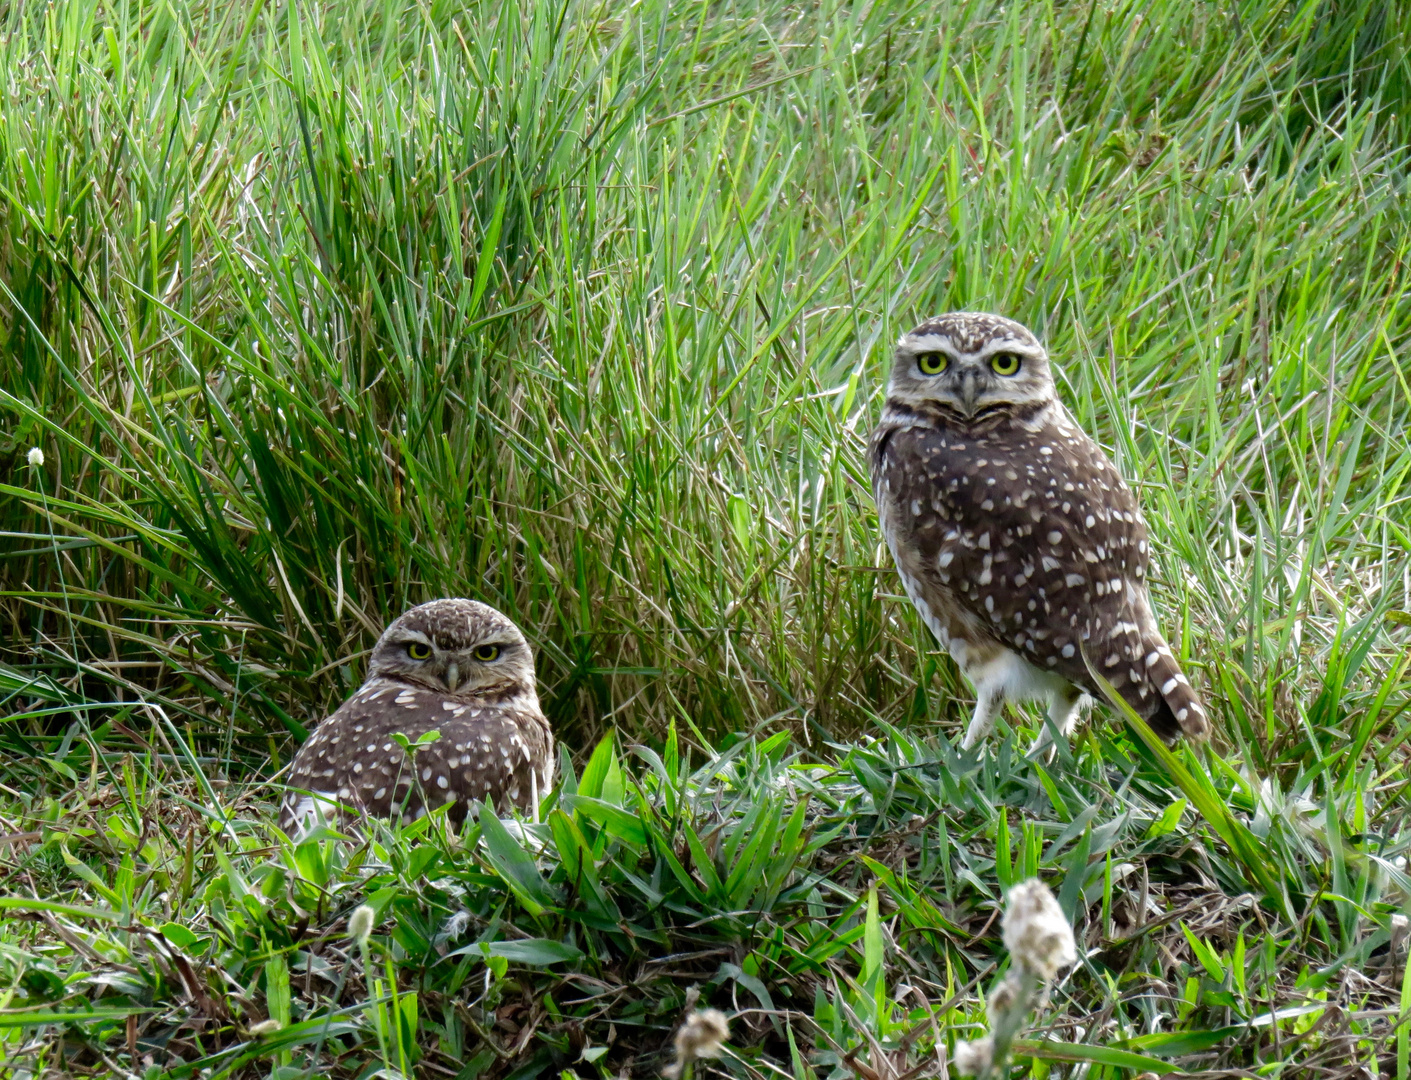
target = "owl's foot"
x: 1064, y: 711
x: 987, y: 707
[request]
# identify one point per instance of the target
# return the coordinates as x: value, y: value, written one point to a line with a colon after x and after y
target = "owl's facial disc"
x: 970, y: 364
x: 456, y: 647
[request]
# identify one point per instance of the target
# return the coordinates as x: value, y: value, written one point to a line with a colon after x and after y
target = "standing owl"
x: 454, y: 666
x: 1014, y: 535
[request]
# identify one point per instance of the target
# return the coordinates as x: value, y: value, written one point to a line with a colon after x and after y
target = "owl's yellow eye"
x: 931, y: 363
x: 418, y: 650
x: 1005, y: 363
x: 486, y: 653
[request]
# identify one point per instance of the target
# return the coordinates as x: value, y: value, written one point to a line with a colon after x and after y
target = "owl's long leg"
x: 1064, y: 709
x: 987, y: 706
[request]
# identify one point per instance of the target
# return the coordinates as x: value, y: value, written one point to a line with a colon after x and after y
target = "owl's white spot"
x: 1115, y: 584
x: 1151, y: 658
x: 990, y: 603
x: 357, y: 768
x: 1090, y: 521
x: 915, y: 507
x: 1047, y: 451
x: 441, y: 782
x: 1073, y: 581
x: 1048, y: 563
x: 988, y: 504
x: 460, y: 710
x: 985, y: 541
x: 945, y: 559
x: 1168, y: 686
x: 358, y: 729
x: 1067, y: 506
x: 1112, y: 660
x: 985, y: 576
x: 1101, y: 588
x: 1068, y: 650
x: 1010, y: 474
x: 1182, y: 714
x: 379, y: 793
x: 405, y: 696
x: 448, y: 705
x: 426, y: 773
x: 1055, y: 537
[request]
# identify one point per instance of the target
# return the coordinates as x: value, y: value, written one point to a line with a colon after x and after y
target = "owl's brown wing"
x: 1031, y: 532
x: 501, y: 754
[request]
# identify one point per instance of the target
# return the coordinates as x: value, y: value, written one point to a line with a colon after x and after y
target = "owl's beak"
x: 453, y: 676
x: 969, y: 391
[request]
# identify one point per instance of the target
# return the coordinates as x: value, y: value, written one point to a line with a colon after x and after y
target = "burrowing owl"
x: 1013, y: 533
x: 455, y: 666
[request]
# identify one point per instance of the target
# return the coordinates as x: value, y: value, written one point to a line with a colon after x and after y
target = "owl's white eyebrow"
x: 1023, y: 348
x: 923, y: 343
x: 415, y: 635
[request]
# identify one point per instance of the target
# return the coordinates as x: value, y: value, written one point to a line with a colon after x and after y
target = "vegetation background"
x: 318, y: 310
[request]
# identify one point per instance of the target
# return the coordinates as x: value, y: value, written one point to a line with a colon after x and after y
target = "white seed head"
x: 701, y: 1036
x: 1002, y: 998
x: 973, y: 1058
x: 1036, y: 933
x: 360, y: 924
x: 265, y: 1027
x: 36, y: 456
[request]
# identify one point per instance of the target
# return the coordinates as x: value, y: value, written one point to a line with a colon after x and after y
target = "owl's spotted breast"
x: 499, y: 755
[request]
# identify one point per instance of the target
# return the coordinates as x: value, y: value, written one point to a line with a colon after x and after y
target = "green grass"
x: 585, y: 310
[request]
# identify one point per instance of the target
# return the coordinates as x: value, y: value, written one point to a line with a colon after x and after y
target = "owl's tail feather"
x: 1178, y: 708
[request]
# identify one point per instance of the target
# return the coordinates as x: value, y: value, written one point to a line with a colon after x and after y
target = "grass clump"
x: 320, y: 310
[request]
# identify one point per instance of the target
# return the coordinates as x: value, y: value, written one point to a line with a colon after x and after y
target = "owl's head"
x: 455, y: 646
x: 971, y: 363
